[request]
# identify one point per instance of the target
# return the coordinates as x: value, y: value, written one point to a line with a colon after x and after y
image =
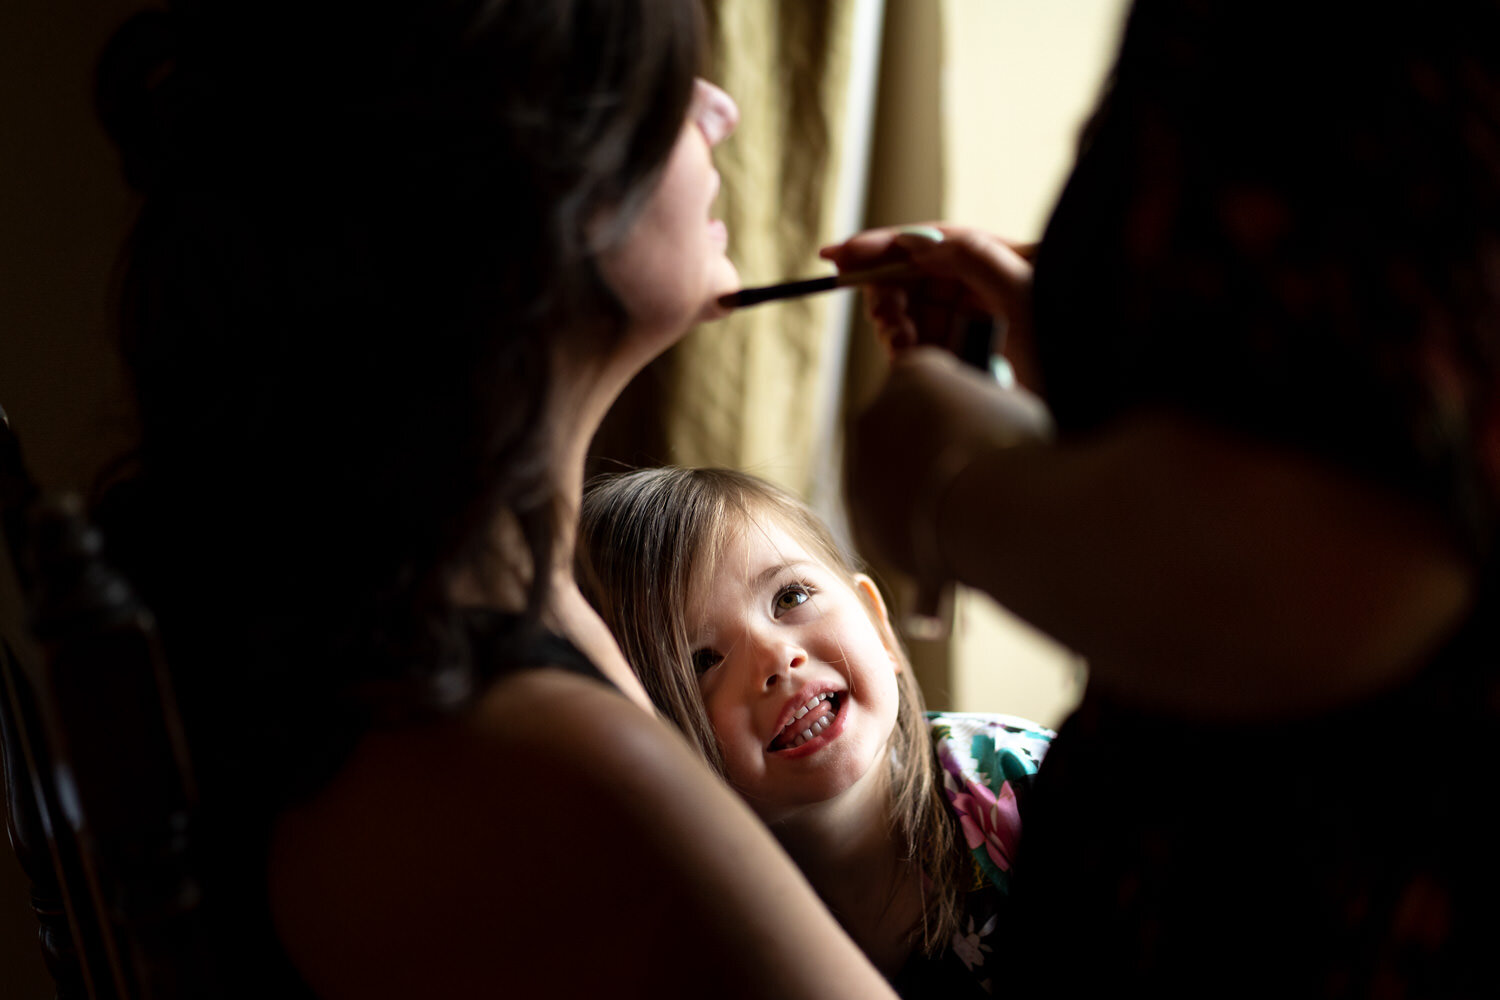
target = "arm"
x: 1198, y: 571
x: 561, y: 843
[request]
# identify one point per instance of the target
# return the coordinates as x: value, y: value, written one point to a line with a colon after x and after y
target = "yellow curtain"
x: 750, y: 391
x: 906, y: 185
x: 746, y: 391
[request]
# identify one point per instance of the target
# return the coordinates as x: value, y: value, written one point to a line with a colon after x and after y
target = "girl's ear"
x: 865, y: 587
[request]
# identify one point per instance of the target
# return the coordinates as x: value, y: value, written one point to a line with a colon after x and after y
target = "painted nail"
x: 925, y: 232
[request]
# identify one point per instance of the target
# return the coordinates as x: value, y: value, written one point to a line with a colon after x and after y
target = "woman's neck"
x: 855, y: 859
x: 587, y: 377
x: 585, y: 384
x: 569, y: 614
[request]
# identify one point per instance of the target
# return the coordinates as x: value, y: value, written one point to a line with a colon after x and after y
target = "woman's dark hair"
x: 1285, y: 217
x: 363, y: 228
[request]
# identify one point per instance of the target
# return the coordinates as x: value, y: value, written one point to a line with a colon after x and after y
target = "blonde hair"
x: 646, y: 536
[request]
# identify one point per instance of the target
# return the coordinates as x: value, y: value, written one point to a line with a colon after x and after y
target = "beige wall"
x: 62, y: 213
x: 1019, y: 77
x: 979, y: 107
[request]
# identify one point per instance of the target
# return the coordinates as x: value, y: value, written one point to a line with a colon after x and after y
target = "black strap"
x: 505, y: 642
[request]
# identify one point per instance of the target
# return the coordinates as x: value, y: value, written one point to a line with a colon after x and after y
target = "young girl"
x: 752, y: 631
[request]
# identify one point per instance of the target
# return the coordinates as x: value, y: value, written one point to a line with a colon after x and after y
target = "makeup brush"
x: 899, y: 271
x: 974, y: 343
x: 812, y: 286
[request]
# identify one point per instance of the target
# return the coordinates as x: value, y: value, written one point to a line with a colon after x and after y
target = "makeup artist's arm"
x: 1198, y: 571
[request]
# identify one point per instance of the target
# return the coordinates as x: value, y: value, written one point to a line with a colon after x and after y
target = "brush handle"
x: 813, y: 286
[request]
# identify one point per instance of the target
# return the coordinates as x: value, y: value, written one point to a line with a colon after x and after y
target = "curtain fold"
x: 746, y: 391
x: 750, y: 391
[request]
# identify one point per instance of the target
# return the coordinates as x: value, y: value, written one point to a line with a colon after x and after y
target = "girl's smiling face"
x: 796, y: 667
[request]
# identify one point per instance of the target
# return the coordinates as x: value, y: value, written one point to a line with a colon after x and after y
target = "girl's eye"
x: 705, y: 659
x: 791, y: 597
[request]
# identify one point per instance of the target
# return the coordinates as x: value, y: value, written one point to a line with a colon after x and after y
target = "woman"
x: 393, y: 264
x: 1265, y: 317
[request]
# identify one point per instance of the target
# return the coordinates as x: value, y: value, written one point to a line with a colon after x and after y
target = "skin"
x: 967, y: 273
x: 559, y: 840
x: 772, y: 627
x: 671, y: 267
x: 668, y: 273
x: 1201, y: 572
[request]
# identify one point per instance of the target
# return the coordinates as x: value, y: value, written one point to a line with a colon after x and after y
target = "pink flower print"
x: 970, y: 947
x: 986, y: 818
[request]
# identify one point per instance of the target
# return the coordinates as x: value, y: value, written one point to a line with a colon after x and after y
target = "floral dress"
x: 987, y: 764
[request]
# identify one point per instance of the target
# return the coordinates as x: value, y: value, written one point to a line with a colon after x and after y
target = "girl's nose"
x: 777, y: 661
x: 716, y: 112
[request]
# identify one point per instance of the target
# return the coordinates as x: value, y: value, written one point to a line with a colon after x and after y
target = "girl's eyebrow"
x: 768, y: 574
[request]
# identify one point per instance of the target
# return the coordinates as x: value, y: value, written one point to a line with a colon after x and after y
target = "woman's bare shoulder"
x: 557, y: 838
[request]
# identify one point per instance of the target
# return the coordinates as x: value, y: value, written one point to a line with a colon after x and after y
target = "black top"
x: 505, y: 644
x: 1215, y: 253
x: 510, y: 643
x: 1347, y: 855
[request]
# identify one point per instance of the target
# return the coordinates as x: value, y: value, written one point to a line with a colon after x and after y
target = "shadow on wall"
x: 64, y: 212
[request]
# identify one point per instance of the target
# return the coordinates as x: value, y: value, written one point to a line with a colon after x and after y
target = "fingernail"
x: 912, y: 243
x: 929, y: 233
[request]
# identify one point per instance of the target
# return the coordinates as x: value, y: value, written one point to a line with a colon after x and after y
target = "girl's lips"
x: 718, y: 232
x: 829, y: 733
x: 798, y: 705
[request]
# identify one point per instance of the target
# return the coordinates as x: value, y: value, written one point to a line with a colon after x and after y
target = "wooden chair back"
x: 101, y: 794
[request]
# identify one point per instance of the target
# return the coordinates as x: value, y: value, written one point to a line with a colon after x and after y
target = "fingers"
x: 930, y: 312
x: 996, y: 276
x: 888, y: 309
x: 874, y: 246
x: 968, y: 273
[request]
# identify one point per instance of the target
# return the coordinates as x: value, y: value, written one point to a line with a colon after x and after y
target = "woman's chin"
x: 712, y: 310
x: 726, y: 280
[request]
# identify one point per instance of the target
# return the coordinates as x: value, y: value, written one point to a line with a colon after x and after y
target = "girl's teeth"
x: 809, y: 706
x: 817, y: 727
x: 810, y: 732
